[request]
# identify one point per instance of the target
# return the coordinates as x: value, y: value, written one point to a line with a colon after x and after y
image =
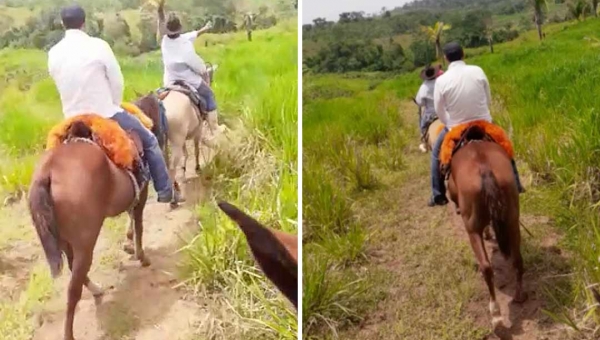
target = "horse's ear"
x: 276, y: 252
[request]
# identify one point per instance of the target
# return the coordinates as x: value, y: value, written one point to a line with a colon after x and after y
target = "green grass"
x: 256, y: 88
x: 350, y: 130
x: 545, y: 96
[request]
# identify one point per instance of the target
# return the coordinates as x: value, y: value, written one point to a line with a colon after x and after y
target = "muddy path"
x: 139, y: 303
x: 429, y: 274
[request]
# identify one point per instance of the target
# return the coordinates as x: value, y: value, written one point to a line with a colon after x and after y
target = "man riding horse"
x: 183, y: 65
x: 424, y: 99
x: 89, y: 80
x: 461, y: 95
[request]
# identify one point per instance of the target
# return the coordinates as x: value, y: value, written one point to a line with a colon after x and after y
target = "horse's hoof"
x: 145, y: 262
x: 520, y: 298
x: 174, y: 205
x: 128, y: 248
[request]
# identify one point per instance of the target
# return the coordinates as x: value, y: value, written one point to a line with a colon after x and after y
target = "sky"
x: 330, y: 9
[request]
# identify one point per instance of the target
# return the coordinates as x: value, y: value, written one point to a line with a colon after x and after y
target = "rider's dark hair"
x: 453, y: 52
x: 73, y: 17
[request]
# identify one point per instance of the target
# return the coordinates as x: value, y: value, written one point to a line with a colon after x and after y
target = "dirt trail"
x: 139, y: 303
x: 434, y: 290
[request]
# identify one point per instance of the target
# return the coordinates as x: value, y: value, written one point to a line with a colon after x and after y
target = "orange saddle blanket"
x: 107, y: 133
x: 454, y: 136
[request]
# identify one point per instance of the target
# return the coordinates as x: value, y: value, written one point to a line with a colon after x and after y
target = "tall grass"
x: 256, y: 89
x: 348, y: 138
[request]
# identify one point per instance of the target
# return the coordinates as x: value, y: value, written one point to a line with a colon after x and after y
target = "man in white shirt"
x: 424, y: 99
x: 461, y: 95
x: 181, y: 63
x: 89, y: 80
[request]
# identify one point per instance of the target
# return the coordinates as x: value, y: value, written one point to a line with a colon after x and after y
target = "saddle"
x: 123, y: 148
x: 464, y: 134
x: 190, y: 91
x: 425, y: 136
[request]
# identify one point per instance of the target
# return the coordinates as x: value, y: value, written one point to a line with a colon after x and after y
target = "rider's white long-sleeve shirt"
x: 181, y: 61
x: 462, y: 95
x: 87, y: 75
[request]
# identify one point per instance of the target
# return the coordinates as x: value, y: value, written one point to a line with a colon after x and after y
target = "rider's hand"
x: 208, y: 25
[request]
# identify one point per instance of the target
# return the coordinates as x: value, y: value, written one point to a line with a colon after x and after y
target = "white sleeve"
x: 195, y: 62
x: 440, y: 104
x: 421, y: 95
x: 113, y: 73
x: 191, y: 36
x: 488, y: 92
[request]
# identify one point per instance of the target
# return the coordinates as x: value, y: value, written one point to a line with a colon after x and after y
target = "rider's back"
x: 180, y: 59
x: 464, y: 90
x: 78, y: 66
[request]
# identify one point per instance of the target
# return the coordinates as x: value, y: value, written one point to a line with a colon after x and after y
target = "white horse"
x: 184, y: 123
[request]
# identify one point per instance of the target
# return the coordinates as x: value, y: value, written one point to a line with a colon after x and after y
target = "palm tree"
x: 434, y: 34
x: 538, y: 12
x: 489, y: 32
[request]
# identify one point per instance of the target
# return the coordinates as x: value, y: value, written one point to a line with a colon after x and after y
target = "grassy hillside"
x: 258, y: 99
x: 357, y: 137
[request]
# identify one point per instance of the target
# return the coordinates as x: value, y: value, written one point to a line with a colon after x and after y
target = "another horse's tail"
x: 496, y: 205
x: 41, y: 207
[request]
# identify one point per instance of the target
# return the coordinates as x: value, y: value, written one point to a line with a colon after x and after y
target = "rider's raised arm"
x: 113, y: 73
x: 162, y: 31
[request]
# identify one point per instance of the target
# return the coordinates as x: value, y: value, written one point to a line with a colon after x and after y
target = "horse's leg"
x: 197, y: 151
x: 96, y: 291
x: 177, y: 147
x: 487, y: 233
x: 82, y: 261
x: 185, y: 158
x: 128, y: 247
x: 517, y: 260
x: 138, y: 214
x: 488, y: 273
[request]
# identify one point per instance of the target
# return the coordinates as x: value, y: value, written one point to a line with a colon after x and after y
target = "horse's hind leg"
x: 517, y: 260
x: 96, y: 291
x: 488, y: 274
x: 138, y: 214
x: 197, y: 152
x: 185, y: 158
x: 81, y: 263
x: 128, y: 247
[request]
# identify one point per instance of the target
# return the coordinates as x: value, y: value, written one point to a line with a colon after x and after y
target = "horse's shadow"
x: 143, y: 298
x: 542, y: 263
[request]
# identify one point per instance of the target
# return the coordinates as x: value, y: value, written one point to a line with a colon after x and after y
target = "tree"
x: 489, y: 32
x: 595, y: 7
x: 578, y: 9
x: 538, y: 14
x: 434, y: 34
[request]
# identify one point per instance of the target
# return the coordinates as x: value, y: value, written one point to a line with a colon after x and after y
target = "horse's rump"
x: 106, y: 133
x: 477, y: 130
x: 134, y: 110
x: 187, y: 90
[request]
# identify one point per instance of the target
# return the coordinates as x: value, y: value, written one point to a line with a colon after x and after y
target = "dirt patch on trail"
x: 432, y: 284
x: 139, y: 303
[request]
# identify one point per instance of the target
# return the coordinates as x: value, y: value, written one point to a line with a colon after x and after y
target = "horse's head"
x: 150, y: 105
x: 276, y: 252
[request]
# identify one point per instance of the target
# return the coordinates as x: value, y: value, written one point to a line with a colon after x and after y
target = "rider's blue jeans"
x: 437, y: 181
x: 152, y: 153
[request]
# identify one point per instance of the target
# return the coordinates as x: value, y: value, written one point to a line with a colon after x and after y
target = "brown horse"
x: 74, y: 188
x: 276, y: 252
x: 482, y: 184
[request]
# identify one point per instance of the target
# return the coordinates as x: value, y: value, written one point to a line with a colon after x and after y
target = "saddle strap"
x: 136, y: 189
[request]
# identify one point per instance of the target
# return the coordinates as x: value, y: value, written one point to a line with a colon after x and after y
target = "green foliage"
x: 358, y: 56
x: 423, y: 52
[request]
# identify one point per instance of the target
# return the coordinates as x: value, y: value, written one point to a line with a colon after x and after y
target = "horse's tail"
x: 496, y: 205
x: 41, y: 207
